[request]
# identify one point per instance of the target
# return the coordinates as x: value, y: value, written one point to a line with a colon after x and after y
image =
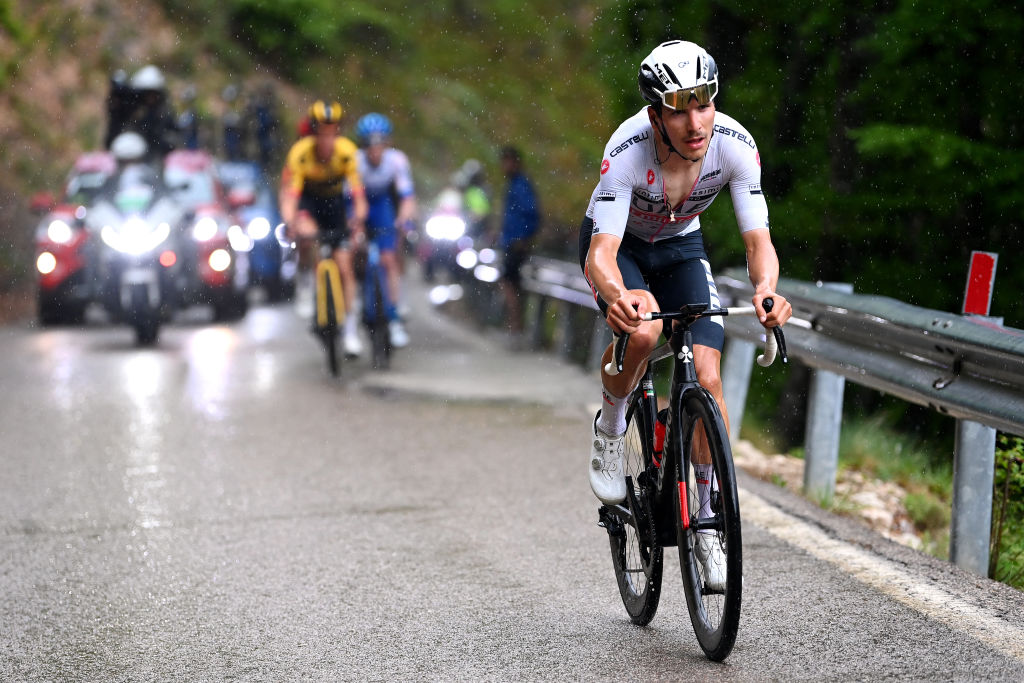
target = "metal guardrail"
x: 962, y: 366
x: 969, y: 368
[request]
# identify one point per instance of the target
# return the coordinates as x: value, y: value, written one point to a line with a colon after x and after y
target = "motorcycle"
x: 448, y: 247
x: 139, y: 260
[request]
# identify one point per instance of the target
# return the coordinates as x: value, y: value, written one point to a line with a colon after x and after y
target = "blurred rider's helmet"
x: 129, y: 146
x: 148, y: 78
x: 676, y: 72
x: 321, y: 112
x: 471, y: 170
x: 373, y: 126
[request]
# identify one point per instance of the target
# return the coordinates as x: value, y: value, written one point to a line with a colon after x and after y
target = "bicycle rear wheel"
x: 380, y: 336
x: 712, y: 574
x: 636, y: 556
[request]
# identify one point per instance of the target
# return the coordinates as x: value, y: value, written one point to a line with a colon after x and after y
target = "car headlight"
x: 59, y: 232
x: 205, y: 229
x: 258, y: 228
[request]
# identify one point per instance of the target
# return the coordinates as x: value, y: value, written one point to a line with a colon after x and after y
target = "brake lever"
x: 780, y: 338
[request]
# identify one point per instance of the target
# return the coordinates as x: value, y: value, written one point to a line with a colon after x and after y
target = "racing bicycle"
x: 662, y: 505
x: 330, y: 305
x: 375, y: 304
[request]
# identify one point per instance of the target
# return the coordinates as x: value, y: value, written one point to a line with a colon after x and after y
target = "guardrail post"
x: 737, y: 365
x: 973, y: 475
x: 824, y: 424
x: 821, y: 440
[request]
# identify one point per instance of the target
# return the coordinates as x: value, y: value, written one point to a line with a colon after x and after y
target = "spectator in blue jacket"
x: 519, y: 225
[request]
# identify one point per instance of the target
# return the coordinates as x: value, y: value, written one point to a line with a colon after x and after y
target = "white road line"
x: 886, y: 577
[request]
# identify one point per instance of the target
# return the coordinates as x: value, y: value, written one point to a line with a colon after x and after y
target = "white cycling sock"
x: 705, y: 477
x: 613, y: 414
x: 351, y: 324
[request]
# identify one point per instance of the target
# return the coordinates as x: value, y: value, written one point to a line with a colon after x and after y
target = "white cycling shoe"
x: 711, y: 556
x: 399, y: 337
x: 353, y: 344
x: 607, y: 474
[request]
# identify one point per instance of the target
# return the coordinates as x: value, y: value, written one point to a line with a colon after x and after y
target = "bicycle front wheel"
x: 709, y: 537
x: 636, y: 556
x: 329, y: 332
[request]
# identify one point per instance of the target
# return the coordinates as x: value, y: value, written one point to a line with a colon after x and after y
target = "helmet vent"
x: 697, y: 80
x: 671, y: 74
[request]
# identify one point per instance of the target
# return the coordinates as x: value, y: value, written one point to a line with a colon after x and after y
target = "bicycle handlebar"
x: 775, y: 345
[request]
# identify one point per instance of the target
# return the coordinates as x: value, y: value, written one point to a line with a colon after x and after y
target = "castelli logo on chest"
x: 650, y: 177
x: 604, y: 166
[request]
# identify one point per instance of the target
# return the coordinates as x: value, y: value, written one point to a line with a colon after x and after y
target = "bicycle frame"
x: 326, y: 267
x: 684, y: 382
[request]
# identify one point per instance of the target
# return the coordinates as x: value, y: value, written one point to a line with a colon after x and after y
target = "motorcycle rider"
x: 387, y: 177
x: 152, y: 117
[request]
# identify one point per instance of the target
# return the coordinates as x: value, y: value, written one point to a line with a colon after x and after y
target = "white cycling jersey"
x: 630, y: 196
x: 393, y: 170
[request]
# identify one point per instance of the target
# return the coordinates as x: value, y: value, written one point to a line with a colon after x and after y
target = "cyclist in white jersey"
x: 641, y: 245
x: 387, y: 177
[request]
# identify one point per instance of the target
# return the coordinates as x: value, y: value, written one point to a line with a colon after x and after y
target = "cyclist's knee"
x: 708, y: 366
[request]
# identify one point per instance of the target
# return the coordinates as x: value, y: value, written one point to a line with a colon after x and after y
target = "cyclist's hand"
x: 624, y: 313
x: 781, y: 310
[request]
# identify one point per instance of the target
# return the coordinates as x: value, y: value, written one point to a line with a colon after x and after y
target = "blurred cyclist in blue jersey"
x: 387, y: 178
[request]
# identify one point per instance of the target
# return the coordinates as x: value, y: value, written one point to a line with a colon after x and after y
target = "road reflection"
x: 144, y: 377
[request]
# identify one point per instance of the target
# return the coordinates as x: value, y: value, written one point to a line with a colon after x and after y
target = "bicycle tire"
x: 379, y: 332
x: 329, y: 332
x: 714, y: 613
x: 638, y: 562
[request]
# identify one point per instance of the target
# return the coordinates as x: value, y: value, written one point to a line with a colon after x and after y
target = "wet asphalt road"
x: 219, y: 508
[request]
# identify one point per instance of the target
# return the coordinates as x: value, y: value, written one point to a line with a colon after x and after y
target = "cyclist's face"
x: 690, y: 128
x: 375, y: 152
x: 325, y: 134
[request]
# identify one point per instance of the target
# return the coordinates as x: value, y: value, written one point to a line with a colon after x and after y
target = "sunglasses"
x: 679, y: 99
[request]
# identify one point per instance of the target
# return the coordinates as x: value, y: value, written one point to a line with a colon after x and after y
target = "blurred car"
x: 272, y: 257
x: 66, y: 249
x: 215, y: 270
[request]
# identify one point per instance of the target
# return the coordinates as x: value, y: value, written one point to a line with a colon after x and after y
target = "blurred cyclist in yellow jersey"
x: 313, y: 199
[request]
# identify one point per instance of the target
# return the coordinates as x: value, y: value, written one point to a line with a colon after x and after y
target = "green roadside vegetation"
x: 909, y: 446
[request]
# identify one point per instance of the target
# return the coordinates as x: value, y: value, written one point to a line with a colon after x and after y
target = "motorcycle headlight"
x: 59, y: 232
x: 448, y: 228
x: 205, y: 229
x: 258, y: 228
x: 135, y: 236
x: 238, y: 239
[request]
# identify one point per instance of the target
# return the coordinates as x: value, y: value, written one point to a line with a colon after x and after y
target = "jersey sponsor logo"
x: 631, y: 141
x: 605, y: 197
x: 605, y: 165
x: 714, y: 174
x: 729, y: 132
x: 650, y: 177
x: 755, y: 189
x: 758, y: 158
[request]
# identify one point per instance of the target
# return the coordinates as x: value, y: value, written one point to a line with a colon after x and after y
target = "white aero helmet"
x: 676, y: 72
x: 129, y: 146
x: 148, y: 78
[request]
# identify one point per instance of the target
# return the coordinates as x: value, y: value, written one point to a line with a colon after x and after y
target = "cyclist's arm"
x: 624, y: 310
x: 406, y: 210
x: 763, y: 268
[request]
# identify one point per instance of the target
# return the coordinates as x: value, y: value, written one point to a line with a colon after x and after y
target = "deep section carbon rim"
x: 710, y: 549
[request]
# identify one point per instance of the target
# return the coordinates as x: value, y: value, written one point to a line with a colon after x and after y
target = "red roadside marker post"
x: 974, y: 452
x: 981, y: 278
